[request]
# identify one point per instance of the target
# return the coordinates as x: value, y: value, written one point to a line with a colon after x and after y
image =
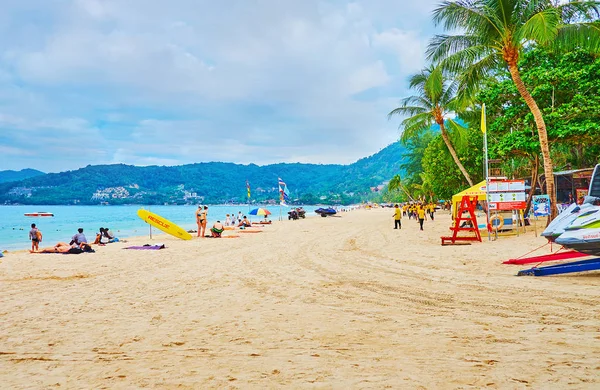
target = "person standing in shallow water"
x: 35, y: 237
x: 397, y: 217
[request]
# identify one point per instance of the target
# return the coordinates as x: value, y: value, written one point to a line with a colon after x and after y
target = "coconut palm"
x: 497, y: 31
x: 435, y: 101
x: 396, y: 184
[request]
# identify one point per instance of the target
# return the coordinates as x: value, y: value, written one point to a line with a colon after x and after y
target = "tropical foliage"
x: 530, y: 63
x: 496, y: 32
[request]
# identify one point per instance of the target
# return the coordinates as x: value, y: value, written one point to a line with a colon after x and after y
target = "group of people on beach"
x: 240, y: 221
x: 78, y: 243
x: 418, y: 211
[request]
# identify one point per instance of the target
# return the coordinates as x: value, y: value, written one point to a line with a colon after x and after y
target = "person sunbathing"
x: 61, y: 247
x: 217, y: 229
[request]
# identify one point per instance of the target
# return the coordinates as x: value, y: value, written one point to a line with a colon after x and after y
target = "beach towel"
x: 147, y: 247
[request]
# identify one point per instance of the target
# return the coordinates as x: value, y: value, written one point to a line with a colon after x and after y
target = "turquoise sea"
x: 122, y: 220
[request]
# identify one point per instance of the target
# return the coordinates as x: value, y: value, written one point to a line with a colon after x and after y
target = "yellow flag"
x: 483, y: 127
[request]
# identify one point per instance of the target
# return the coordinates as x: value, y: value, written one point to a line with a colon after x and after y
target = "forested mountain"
x: 213, y: 182
x: 6, y: 176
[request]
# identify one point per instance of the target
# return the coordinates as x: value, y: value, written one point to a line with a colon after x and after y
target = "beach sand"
x: 340, y: 303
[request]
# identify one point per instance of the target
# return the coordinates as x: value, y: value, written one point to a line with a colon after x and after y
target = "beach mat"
x: 146, y: 247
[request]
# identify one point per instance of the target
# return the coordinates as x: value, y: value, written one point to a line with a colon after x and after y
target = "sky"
x: 155, y: 82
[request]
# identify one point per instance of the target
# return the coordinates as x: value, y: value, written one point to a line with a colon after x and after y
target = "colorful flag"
x: 483, y: 126
x: 248, y: 188
x: 283, y: 192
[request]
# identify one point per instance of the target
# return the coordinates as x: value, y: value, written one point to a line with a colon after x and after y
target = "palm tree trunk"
x: 534, y: 178
x: 454, y: 155
x: 542, y: 134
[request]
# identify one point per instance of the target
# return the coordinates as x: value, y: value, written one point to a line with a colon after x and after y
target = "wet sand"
x: 340, y: 303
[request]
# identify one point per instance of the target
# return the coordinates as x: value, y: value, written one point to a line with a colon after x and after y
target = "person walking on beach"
x: 431, y: 210
x: 397, y: 217
x: 421, y: 215
x: 36, y: 237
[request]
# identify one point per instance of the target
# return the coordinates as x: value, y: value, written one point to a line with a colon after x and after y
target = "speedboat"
x: 582, y: 227
x: 39, y: 214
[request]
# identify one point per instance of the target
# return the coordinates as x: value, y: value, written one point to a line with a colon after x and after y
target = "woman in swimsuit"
x: 198, y: 215
x: 61, y: 247
x: 202, y: 221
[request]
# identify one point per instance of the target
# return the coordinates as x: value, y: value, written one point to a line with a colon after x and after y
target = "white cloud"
x: 269, y: 79
x: 406, y: 46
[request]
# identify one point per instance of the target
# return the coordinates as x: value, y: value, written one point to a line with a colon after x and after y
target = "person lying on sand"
x: 63, y: 247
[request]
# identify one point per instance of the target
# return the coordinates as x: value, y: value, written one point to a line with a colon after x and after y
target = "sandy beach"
x: 338, y: 303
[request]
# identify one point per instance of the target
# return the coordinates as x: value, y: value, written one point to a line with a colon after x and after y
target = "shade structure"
x: 260, y: 211
x: 477, y: 190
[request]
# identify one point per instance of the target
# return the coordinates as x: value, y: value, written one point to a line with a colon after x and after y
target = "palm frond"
x: 407, y: 111
x: 415, y: 125
x: 579, y: 11
x: 525, y: 9
x: 467, y: 15
x: 441, y: 46
x: 461, y: 60
x: 475, y: 75
x: 542, y: 27
x: 458, y: 132
x: 434, y: 86
x: 417, y: 80
x: 584, y: 36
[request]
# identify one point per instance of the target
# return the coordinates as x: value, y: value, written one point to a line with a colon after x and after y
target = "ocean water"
x: 122, y: 220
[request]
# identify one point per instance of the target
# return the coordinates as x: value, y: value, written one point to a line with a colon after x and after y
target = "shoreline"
x: 123, y: 220
x: 323, y: 302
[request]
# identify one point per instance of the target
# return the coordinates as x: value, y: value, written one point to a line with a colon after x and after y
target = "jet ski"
x: 582, y: 227
x: 564, y: 219
x: 325, y: 212
x: 583, y: 234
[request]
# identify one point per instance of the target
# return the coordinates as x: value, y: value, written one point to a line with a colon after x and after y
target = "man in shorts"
x: 35, y: 236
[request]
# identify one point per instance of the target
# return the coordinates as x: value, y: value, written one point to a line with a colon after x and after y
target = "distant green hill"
x: 7, y: 176
x: 213, y: 182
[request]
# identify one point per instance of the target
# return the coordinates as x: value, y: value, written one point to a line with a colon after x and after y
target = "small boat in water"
x: 39, y: 214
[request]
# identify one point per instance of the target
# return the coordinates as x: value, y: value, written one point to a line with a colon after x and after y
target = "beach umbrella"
x: 260, y: 211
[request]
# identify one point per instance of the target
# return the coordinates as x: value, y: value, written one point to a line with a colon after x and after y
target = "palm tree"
x: 396, y: 184
x: 436, y: 99
x: 497, y: 31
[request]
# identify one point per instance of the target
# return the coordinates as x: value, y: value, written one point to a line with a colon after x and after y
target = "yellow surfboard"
x: 163, y: 224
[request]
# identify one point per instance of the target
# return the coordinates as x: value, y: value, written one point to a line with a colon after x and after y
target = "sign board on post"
x: 541, y: 205
x: 507, y: 195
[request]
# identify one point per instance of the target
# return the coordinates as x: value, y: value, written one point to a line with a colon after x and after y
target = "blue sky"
x: 149, y: 82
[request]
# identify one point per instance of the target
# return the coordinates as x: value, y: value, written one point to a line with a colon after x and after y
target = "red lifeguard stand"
x: 468, y: 204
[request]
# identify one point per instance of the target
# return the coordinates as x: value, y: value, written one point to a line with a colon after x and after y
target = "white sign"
x: 507, y: 197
